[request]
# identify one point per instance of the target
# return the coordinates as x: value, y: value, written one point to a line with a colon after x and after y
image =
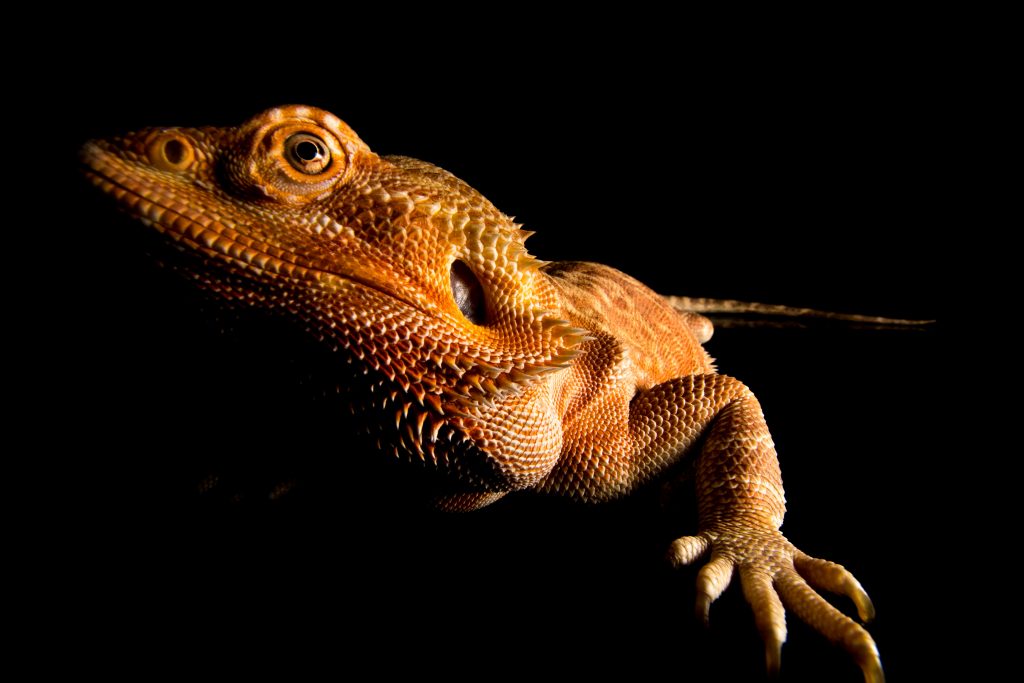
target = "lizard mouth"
x: 173, y: 216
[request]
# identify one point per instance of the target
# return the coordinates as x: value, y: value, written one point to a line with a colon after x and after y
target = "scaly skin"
x: 487, y: 368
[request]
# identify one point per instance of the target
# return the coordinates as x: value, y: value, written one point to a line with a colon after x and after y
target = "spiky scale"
x: 580, y: 381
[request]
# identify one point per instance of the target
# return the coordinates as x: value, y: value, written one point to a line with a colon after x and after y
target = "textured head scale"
x: 410, y: 270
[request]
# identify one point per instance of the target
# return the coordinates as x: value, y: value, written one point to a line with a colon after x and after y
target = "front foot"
x: 776, y: 576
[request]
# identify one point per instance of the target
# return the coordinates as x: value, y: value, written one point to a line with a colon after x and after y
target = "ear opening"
x: 468, y: 293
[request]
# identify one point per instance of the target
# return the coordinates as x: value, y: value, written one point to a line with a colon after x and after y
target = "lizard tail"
x: 725, y: 313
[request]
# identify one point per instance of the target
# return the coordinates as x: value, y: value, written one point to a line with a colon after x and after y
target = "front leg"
x: 741, y: 507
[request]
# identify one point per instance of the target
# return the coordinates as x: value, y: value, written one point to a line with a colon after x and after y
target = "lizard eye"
x: 468, y: 293
x: 288, y: 159
x: 307, y: 153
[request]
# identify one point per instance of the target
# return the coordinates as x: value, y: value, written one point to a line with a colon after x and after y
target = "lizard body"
x: 488, y: 369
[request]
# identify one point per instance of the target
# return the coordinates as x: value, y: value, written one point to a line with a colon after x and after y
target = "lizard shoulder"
x: 660, y: 342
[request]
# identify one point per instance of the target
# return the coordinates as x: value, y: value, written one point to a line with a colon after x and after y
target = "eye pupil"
x: 307, y: 150
x: 307, y: 153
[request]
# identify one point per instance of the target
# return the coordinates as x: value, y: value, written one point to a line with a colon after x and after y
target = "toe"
x: 712, y: 579
x: 769, y: 615
x: 688, y: 549
x: 834, y: 577
x: 803, y: 601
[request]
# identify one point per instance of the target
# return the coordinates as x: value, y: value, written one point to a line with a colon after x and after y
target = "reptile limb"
x: 468, y: 359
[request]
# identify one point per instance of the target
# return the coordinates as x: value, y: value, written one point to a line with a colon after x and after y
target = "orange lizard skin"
x: 488, y: 369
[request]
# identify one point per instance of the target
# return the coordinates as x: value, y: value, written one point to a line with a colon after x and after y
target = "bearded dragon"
x: 489, y: 370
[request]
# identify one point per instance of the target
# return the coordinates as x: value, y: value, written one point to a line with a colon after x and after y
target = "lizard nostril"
x: 170, y: 151
x: 468, y: 293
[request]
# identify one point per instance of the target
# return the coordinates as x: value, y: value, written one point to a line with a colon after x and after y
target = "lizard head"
x: 396, y: 261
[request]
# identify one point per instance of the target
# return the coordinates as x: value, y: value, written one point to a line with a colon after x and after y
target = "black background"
x: 761, y: 166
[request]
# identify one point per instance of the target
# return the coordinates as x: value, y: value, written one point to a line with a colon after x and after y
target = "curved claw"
x: 769, y: 615
x: 803, y: 601
x: 834, y: 577
x: 873, y: 672
x: 712, y: 580
x: 777, y: 576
